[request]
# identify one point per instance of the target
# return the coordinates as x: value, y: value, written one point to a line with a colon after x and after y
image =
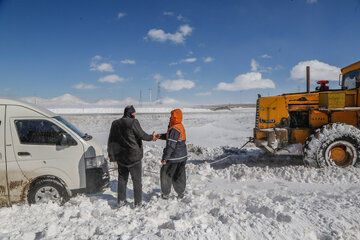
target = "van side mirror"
x: 62, y: 140
x: 65, y: 140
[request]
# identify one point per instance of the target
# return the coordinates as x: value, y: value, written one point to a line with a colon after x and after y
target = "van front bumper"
x: 97, y: 179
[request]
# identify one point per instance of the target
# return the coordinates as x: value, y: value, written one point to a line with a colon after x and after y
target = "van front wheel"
x: 47, y: 190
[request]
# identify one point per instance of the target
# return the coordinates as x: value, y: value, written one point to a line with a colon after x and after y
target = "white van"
x: 45, y: 158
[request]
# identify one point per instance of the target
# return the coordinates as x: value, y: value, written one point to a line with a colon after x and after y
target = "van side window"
x: 38, y: 132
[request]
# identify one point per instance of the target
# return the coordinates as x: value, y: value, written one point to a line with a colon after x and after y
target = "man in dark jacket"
x: 125, y: 147
x: 174, y: 157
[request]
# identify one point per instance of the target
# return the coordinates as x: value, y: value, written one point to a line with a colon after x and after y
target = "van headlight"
x: 94, y: 162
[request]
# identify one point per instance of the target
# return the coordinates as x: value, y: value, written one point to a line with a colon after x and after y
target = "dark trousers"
x: 173, y: 174
x: 136, y: 174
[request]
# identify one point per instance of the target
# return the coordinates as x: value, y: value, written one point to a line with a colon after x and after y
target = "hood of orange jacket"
x: 176, y: 117
x: 175, y: 122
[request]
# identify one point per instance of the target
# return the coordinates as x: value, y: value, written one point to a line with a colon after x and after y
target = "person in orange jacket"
x: 174, y: 157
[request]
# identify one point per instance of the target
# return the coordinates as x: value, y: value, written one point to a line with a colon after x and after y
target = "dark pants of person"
x: 173, y: 174
x: 136, y: 174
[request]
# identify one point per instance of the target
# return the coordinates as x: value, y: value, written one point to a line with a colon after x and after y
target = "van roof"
x: 17, y: 102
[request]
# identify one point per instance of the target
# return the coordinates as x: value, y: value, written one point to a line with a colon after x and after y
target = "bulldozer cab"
x: 351, y: 76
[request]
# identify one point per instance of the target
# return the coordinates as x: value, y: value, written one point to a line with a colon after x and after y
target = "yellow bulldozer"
x: 321, y: 125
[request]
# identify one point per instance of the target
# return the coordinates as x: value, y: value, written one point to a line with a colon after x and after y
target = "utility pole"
x: 140, y: 98
x: 150, y: 93
x: 158, y: 92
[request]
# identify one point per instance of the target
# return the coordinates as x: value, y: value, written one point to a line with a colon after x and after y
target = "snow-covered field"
x: 249, y: 195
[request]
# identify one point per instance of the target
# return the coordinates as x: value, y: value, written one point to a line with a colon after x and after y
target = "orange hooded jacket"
x: 175, y: 150
x: 175, y: 122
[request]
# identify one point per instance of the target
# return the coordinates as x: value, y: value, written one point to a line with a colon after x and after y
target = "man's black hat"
x: 128, y: 111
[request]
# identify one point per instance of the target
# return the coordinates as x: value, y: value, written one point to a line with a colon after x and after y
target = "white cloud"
x: 84, y: 86
x: 158, y: 77
x: 189, y: 60
x: 105, y: 67
x: 177, y: 85
x: 97, y: 57
x: 278, y: 67
x: 180, y: 17
x: 318, y: 71
x: 102, y: 67
x: 266, y: 69
x: 197, y: 69
x: 121, y: 15
x: 94, y: 61
x: 202, y: 94
x: 93, y: 66
x: 186, y: 60
x: 113, y: 78
x: 246, y: 81
x: 266, y: 56
x: 128, y: 61
x: 311, y: 1
x: 208, y: 59
x: 254, y: 65
x: 160, y: 36
x: 185, y: 30
x: 179, y: 74
x: 178, y: 37
x: 168, y: 13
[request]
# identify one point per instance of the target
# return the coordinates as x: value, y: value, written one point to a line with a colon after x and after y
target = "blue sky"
x: 200, y: 51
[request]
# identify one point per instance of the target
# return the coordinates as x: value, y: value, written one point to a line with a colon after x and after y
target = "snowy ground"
x: 249, y: 195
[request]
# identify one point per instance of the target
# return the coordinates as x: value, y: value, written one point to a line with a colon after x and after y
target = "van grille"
x: 257, y: 115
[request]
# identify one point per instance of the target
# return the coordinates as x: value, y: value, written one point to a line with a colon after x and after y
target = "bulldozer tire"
x: 334, y: 144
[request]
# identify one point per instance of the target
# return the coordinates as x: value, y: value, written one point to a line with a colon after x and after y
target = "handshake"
x: 155, y: 136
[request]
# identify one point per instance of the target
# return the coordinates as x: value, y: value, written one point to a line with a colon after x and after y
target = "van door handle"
x: 23, y: 154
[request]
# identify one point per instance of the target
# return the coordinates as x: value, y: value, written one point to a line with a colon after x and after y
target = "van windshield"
x: 69, y: 125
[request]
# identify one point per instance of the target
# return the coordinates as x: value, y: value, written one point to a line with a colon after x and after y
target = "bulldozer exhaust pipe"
x: 308, y: 79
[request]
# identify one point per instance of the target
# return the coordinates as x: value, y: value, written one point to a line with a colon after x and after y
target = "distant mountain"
x: 166, y: 101
x: 70, y: 101
x: 114, y: 103
x: 66, y: 100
